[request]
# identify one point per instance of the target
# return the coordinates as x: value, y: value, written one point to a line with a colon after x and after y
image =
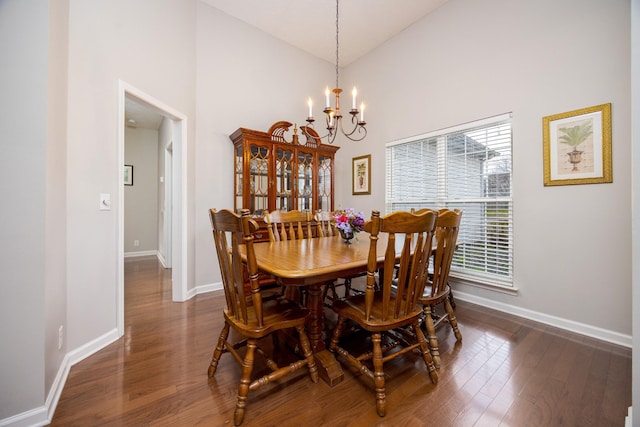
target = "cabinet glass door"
x: 238, y: 178
x: 284, y: 179
x: 259, y: 180
x: 325, y: 170
x: 305, y: 181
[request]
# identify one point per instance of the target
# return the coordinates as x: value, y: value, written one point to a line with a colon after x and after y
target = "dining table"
x: 312, y: 263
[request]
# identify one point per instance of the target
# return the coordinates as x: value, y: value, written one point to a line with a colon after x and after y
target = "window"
x: 467, y: 167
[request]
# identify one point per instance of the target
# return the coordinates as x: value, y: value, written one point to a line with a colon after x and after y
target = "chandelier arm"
x: 330, y: 135
x: 358, y: 126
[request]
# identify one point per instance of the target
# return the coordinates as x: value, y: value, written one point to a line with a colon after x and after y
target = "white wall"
x: 141, y: 198
x: 23, y: 120
x: 248, y: 79
x: 164, y: 200
x: 151, y: 48
x: 474, y: 59
x: 56, y: 194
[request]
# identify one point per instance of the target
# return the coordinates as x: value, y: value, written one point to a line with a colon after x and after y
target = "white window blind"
x: 469, y: 168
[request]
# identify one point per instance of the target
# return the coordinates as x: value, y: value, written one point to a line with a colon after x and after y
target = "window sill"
x: 462, y: 280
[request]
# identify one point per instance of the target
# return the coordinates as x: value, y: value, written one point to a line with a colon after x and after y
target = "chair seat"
x: 278, y: 313
x: 354, y: 308
x: 427, y: 298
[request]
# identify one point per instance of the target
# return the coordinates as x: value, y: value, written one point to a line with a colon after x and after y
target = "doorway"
x: 172, y: 199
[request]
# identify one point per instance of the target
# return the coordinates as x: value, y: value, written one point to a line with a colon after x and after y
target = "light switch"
x: 105, y: 201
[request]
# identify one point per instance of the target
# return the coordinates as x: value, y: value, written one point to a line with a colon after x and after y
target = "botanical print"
x: 361, y: 176
x: 575, y: 148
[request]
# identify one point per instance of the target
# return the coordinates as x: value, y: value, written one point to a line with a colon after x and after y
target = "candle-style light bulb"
x: 326, y: 94
x: 331, y: 119
x: 310, y: 102
x: 362, y: 112
x: 354, y: 92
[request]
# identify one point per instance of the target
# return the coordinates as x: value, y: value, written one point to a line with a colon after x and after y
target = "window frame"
x: 501, y: 274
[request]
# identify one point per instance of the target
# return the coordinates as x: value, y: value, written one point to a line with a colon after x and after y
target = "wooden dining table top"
x: 310, y: 261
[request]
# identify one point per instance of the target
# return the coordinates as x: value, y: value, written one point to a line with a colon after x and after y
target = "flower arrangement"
x: 348, y: 221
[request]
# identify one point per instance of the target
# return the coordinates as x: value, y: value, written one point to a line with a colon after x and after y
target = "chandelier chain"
x: 337, y: 42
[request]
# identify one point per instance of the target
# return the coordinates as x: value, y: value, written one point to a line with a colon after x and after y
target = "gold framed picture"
x: 361, y: 175
x: 577, y: 146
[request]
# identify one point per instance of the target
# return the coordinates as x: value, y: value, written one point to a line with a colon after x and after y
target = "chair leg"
x: 378, y: 375
x: 307, y: 353
x: 245, y: 382
x: 347, y: 287
x: 452, y: 320
x: 426, y: 354
x: 431, y: 334
x: 450, y: 297
x: 337, y: 331
x: 224, y: 334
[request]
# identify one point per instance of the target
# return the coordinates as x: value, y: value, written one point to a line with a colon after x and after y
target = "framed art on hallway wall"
x: 128, y: 175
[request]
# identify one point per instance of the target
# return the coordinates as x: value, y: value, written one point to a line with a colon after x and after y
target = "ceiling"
x: 310, y: 25
x: 138, y: 115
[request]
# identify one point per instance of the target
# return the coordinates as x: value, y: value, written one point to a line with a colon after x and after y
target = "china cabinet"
x: 281, y: 170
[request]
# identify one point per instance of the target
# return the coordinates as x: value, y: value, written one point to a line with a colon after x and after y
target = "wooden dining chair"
x: 437, y: 291
x: 388, y: 309
x: 252, y: 318
x: 326, y: 228
x: 324, y: 224
x: 288, y: 225
x: 451, y: 298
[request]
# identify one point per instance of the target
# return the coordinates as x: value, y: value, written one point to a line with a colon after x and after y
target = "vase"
x: 575, y: 157
x: 347, y: 236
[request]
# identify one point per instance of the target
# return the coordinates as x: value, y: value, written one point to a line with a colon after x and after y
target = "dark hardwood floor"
x: 506, y: 372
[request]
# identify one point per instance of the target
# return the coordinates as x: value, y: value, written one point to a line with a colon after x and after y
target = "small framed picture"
x: 361, y: 175
x: 577, y: 146
x: 128, y: 175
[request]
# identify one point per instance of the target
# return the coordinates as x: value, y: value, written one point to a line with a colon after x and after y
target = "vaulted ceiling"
x: 310, y: 25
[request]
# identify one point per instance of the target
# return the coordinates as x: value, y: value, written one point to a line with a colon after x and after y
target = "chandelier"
x: 333, y: 115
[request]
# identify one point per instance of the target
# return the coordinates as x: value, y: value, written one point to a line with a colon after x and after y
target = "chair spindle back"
x: 413, y: 235
x: 446, y: 237
x: 288, y: 225
x: 324, y: 225
x: 229, y: 231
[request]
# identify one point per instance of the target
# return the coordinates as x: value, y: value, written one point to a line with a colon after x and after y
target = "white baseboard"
x: 162, y: 260
x: 558, y: 322
x: 42, y: 415
x: 140, y: 253
x: 93, y: 346
x: 31, y: 418
x: 203, y: 289
x: 628, y: 421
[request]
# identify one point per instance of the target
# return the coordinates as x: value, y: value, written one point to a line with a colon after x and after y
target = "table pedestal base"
x: 328, y: 367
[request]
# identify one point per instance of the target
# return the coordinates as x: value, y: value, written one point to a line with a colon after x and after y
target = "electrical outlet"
x: 136, y: 243
x: 60, y: 337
